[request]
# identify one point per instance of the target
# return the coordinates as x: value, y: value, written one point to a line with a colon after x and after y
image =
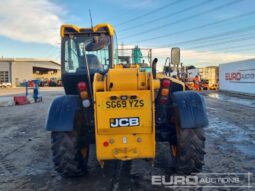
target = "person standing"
x: 196, y: 82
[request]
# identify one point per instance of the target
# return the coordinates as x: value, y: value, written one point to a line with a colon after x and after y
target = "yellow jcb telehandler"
x: 123, y: 110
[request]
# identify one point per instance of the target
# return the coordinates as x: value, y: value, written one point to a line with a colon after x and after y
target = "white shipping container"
x: 238, y: 76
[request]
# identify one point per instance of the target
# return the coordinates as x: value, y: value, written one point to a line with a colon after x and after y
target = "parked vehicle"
x: 124, y: 111
x: 5, y: 85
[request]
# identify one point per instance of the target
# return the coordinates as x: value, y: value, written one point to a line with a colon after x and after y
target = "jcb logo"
x: 124, y: 122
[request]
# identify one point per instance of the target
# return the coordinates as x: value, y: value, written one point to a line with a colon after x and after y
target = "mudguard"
x: 190, y: 108
x: 62, y: 113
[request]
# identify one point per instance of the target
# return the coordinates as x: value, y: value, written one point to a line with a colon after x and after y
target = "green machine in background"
x: 137, y: 58
x: 137, y: 55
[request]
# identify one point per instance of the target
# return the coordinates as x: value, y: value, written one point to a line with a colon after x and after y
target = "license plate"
x: 132, y: 103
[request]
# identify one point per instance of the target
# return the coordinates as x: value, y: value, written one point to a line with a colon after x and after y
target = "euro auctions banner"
x: 238, y: 76
x: 241, y: 76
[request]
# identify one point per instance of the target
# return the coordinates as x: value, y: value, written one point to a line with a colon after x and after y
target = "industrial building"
x: 19, y: 70
x: 209, y: 73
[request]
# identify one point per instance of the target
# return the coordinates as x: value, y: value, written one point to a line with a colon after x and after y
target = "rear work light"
x: 166, y: 83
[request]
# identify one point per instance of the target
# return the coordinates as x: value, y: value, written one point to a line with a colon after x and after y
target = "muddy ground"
x: 25, y: 155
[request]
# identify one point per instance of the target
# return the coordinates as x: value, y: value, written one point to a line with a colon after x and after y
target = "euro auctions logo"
x: 241, y: 75
x: 173, y: 181
x: 233, y: 76
x: 213, y: 180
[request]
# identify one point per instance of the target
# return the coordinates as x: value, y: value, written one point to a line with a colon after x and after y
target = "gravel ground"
x: 25, y: 155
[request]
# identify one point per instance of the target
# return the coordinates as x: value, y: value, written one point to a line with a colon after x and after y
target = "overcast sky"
x: 30, y: 28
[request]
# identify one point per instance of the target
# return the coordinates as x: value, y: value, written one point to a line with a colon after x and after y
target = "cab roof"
x: 72, y: 29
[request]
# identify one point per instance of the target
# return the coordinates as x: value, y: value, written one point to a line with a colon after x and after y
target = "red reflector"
x: 163, y: 99
x: 106, y: 144
x: 82, y: 86
x: 166, y: 83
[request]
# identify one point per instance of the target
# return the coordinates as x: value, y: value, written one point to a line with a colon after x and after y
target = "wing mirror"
x: 175, y: 56
x: 98, y: 43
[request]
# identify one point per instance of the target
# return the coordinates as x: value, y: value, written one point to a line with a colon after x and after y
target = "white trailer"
x: 238, y: 77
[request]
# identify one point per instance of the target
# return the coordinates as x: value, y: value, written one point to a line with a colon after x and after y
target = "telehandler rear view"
x: 123, y: 110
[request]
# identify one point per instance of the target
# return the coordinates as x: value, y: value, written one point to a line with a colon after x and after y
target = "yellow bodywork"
x: 125, y: 128
x: 96, y: 28
x: 161, y: 76
x: 124, y: 106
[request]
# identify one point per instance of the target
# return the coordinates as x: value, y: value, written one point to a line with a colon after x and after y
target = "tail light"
x: 164, y: 92
x: 82, y: 86
x: 166, y: 83
x: 165, y: 86
x: 84, y: 95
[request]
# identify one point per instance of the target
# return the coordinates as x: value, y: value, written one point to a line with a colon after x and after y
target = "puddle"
x: 246, y: 149
x: 242, y: 101
x: 240, y: 138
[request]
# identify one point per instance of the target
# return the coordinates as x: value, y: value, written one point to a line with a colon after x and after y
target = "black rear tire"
x: 69, y: 158
x: 71, y: 149
x: 188, y: 156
